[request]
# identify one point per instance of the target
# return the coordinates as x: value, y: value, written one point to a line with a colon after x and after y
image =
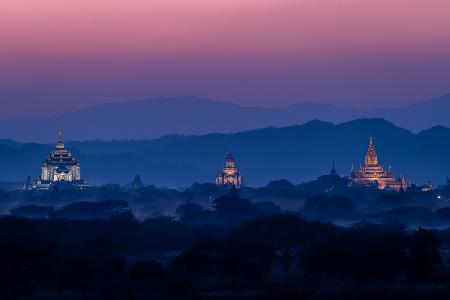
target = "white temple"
x: 60, y: 167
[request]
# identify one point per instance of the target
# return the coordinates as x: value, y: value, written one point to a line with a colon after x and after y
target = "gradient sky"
x: 59, y: 55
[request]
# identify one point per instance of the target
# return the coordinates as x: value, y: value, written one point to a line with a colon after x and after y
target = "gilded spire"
x: 229, y: 159
x: 371, y: 156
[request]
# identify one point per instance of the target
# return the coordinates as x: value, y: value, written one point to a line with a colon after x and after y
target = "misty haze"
x: 224, y: 150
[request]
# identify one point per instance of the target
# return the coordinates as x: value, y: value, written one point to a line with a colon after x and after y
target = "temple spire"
x: 60, y: 138
x: 229, y: 159
x: 60, y: 142
x: 371, y: 156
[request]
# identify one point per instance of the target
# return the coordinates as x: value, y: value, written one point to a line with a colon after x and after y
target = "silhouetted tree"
x: 362, y: 254
x: 252, y: 259
x: 190, y: 212
x: 424, y: 255
x: 201, y: 260
x: 284, y: 231
x: 233, y: 209
x: 146, y: 271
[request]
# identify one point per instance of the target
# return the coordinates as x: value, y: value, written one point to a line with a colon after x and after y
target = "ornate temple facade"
x: 60, y: 167
x: 373, y: 173
x: 230, y: 174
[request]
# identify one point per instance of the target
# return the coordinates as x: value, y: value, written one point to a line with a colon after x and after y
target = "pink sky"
x: 59, y: 55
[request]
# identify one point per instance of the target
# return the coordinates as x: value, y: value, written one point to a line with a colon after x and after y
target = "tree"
x: 201, y: 260
x: 363, y: 254
x: 252, y: 259
x: 285, y: 232
x: 232, y: 209
x: 146, y: 271
x: 190, y: 212
x: 424, y: 255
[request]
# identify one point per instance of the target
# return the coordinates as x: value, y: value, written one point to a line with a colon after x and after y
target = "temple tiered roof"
x: 373, y: 173
x: 230, y: 174
x: 371, y: 156
x: 60, y: 156
x: 60, y: 167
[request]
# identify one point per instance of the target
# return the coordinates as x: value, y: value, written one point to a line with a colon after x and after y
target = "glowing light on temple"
x: 373, y: 173
x: 60, y: 167
x: 230, y: 174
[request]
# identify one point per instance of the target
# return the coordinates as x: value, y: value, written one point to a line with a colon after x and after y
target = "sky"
x: 61, y: 55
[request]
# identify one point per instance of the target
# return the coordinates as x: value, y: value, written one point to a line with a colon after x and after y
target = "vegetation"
x: 109, y: 243
x: 283, y: 255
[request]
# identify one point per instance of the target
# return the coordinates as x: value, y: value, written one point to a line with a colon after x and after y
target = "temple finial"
x: 60, y: 142
x: 60, y: 138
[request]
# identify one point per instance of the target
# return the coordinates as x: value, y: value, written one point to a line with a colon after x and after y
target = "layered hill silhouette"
x: 296, y: 153
x: 153, y: 118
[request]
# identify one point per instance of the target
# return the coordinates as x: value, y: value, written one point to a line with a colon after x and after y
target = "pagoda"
x: 60, y: 167
x: 230, y: 174
x: 373, y: 173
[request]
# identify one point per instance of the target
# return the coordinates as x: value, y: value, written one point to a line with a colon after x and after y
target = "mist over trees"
x: 321, y: 239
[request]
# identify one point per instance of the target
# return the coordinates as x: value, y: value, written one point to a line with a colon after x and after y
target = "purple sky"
x: 63, y: 55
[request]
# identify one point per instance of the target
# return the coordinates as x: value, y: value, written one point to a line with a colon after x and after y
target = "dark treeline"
x: 329, y: 199
x: 281, y: 256
x: 272, y: 242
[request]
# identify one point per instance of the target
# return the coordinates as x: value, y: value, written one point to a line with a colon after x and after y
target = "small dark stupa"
x: 137, y: 184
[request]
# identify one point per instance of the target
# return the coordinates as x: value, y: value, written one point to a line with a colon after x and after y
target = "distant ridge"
x: 419, y: 116
x: 296, y: 153
x: 153, y: 118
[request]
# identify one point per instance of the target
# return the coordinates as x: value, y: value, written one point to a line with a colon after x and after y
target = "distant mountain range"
x: 153, y: 118
x: 297, y: 153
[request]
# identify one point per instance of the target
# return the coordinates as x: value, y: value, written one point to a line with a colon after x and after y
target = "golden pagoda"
x: 230, y: 174
x: 373, y: 173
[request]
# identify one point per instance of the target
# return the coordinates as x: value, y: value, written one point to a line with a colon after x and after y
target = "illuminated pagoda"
x: 60, y: 168
x: 230, y: 174
x: 373, y: 173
